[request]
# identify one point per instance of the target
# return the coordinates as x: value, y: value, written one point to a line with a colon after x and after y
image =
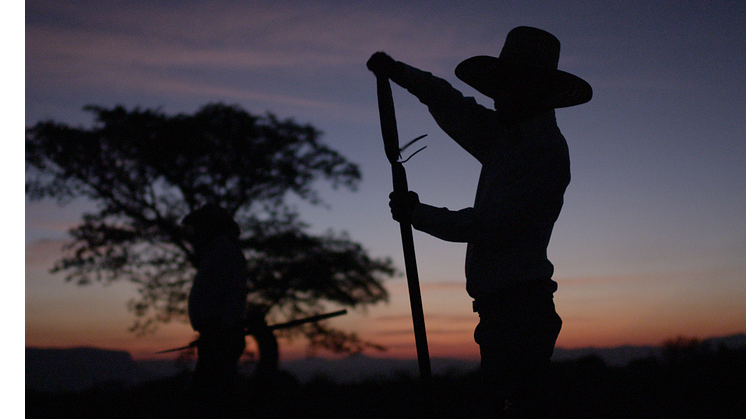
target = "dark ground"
x: 686, y: 384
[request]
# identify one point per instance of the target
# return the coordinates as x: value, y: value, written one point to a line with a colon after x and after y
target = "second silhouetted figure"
x: 217, y: 306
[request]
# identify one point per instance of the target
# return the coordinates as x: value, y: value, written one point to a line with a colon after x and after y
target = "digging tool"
x: 285, y: 325
x: 391, y: 147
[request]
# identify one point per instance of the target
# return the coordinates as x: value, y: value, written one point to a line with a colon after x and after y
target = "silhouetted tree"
x: 145, y: 171
x: 682, y: 349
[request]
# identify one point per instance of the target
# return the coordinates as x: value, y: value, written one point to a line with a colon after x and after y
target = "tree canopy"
x: 145, y: 170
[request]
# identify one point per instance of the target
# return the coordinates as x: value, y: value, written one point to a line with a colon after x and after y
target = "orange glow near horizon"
x: 589, y: 321
x: 596, y: 311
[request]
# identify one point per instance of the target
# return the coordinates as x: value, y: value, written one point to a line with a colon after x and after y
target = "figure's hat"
x: 210, y: 220
x: 528, y: 52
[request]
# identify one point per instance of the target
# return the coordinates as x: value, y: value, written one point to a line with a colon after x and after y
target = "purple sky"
x: 652, y: 238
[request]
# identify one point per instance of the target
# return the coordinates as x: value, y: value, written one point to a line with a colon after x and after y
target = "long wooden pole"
x: 391, y: 146
x: 285, y: 325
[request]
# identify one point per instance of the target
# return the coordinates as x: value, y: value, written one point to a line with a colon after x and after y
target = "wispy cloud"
x: 42, y: 254
x: 250, y: 36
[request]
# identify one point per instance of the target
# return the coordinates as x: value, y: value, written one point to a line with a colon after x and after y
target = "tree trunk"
x: 266, y: 342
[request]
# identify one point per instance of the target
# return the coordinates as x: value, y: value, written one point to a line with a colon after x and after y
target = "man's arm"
x: 463, y: 226
x: 469, y: 225
x: 470, y: 124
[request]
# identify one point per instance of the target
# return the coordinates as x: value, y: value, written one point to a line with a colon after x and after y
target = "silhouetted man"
x: 217, y: 305
x: 525, y: 171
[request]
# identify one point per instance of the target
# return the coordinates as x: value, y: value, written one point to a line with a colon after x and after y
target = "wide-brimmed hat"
x: 528, y: 54
x: 211, y: 220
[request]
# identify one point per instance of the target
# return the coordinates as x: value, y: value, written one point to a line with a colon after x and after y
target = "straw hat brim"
x: 486, y: 74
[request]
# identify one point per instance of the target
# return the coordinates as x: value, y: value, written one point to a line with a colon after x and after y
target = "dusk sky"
x: 651, y: 242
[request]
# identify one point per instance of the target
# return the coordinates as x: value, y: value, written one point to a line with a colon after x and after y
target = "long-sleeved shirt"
x: 217, y: 300
x: 525, y: 171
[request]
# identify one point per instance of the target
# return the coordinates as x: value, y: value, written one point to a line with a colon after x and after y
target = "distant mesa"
x: 78, y: 369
